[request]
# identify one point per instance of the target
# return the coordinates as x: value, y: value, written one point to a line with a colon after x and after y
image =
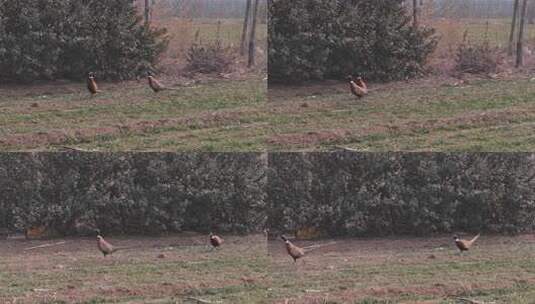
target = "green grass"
x: 77, y: 272
x: 358, y: 271
x: 498, y: 270
x: 132, y: 117
x: 481, y: 116
x: 233, y: 115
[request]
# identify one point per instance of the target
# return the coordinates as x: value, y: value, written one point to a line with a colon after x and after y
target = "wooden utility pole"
x: 513, y: 28
x: 252, y: 38
x: 245, y: 27
x: 147, y: 11
x: 415, y: 13
x: 520, y: 42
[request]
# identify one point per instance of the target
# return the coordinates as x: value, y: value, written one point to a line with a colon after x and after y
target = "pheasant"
x: 215, y: 240
x: 107, y: 248
x: 294, y: 251
x: 92, y: 84
x: 464, y: 245
x: 297, y: 252
x: 155, y: 85
x: 358, y: 86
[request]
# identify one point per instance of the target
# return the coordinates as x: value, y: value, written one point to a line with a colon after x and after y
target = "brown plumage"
x: 155, y: 85
x: 92, y: 84
x: 358, y: 86
x: 215, y: 240
x: 104, y: 247
x: 107, y: 248
x: 294, y: 251
x: 464, y: 245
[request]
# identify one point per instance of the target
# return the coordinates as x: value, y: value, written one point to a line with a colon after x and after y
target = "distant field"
x: 184, y: 30
x: 496, y: 31
x: 183, y: 33
x: 498, y: 270
x: 78, y: 273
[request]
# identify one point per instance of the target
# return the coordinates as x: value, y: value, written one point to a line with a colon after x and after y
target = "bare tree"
x: 513, y: 28
x: 531, y: 14
x: 520, y: 42
x: 415, y: 13
x: 252, y: 38
x: 147, y: 11
x: 245, y: 27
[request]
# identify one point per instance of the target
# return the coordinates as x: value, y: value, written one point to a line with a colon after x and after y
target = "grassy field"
x: 482, y: 115
x: 183, y: 269
x: 159, y: 270
x: 429, y: 114
x: 233, y: 115
x: 384, y: 271
x: 214, y: 115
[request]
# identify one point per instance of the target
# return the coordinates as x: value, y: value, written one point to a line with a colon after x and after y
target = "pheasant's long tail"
x: 125, y: 248
x: 475, y: 238
x: 318, y: 246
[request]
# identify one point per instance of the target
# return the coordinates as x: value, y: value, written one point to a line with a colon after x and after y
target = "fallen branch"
x: 76, y: 149
x: 199, y: 300
x: 346, y: 149
x: 469, y: 301
x: 45, y: 246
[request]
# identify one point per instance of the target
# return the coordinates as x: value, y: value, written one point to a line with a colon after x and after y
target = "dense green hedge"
x: 340, y: 194
x: 402, y: 193
x: 50, y: 39
x: 133, y: 193
x: 318, y: 39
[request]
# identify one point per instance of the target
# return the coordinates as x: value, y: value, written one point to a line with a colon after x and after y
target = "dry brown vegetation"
x: 184, y: 32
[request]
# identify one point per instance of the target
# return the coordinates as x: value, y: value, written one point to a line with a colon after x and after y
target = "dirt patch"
x: 311, y: 137
x: 469, y: 120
